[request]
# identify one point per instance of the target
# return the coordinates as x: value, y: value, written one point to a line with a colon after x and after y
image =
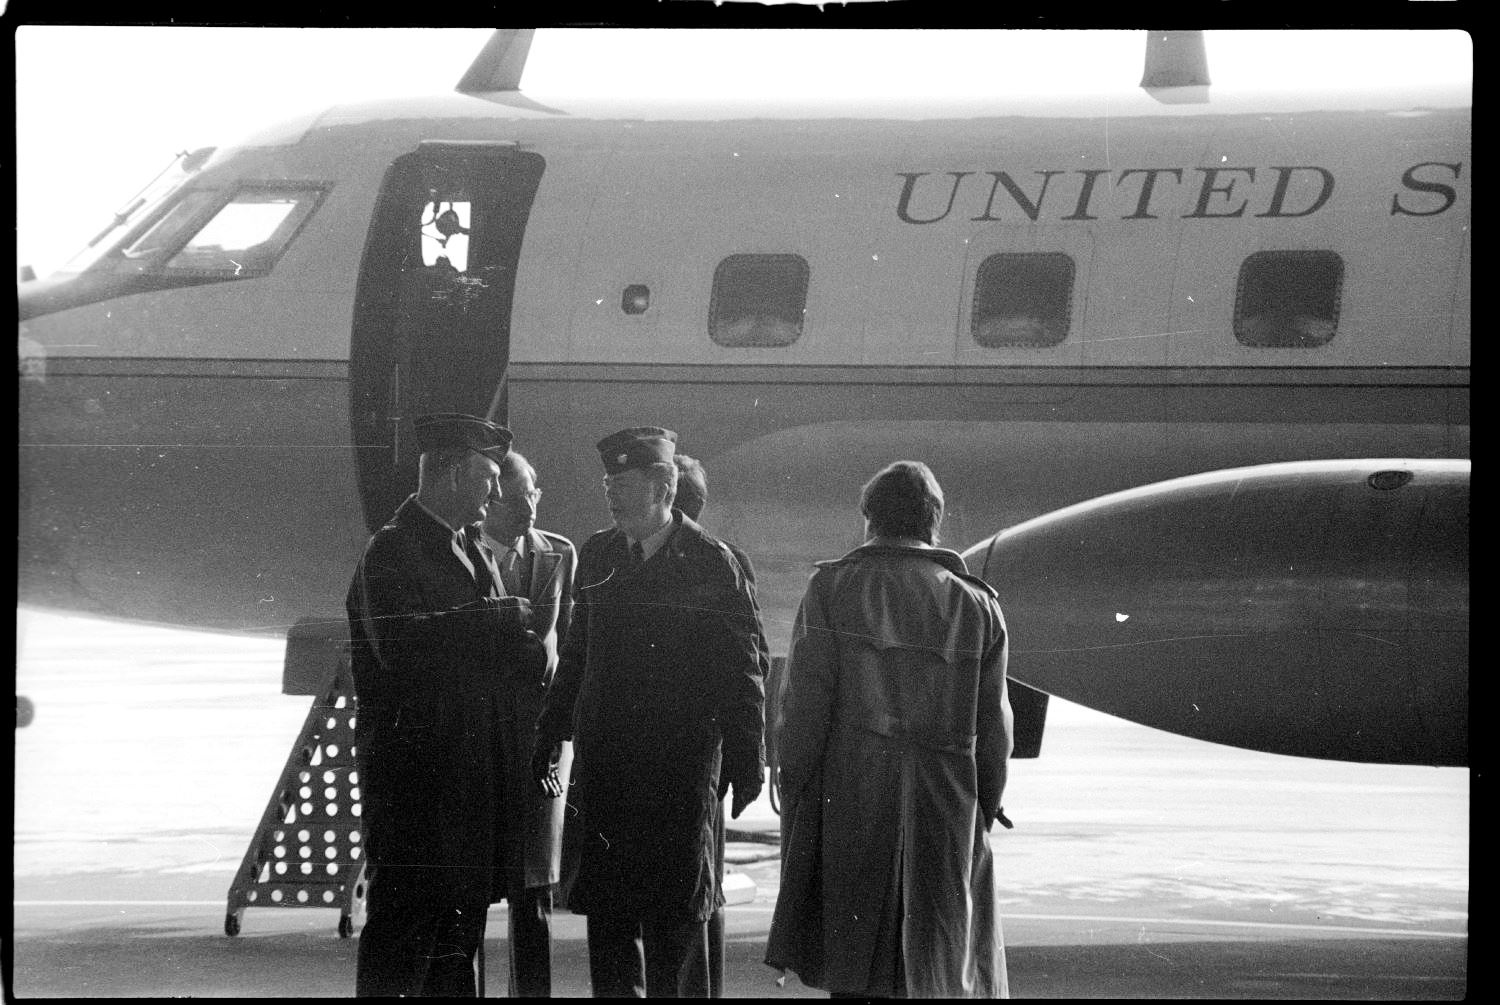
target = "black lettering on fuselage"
x: 1210, y: 189
x: 1031, y: 209
x: 1143, y: 207
x: 1224, y: 193
x: 1409, y: 180
x: 1283, y: 183
x: 1081, y: 212
x: 911, y: 183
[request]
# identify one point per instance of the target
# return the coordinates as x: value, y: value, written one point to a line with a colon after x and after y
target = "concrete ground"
x: 1141, y: 865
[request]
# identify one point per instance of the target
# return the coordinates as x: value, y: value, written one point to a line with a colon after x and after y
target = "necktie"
x: 482, y: 565
x: 637, y: 555
x: 510, y: 572
x: 456, y: 544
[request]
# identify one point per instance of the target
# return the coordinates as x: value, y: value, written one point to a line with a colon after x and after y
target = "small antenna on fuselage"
x: 499, y: 65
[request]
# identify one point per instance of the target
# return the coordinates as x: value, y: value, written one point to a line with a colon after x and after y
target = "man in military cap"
x: 430, y: 631
x: 659, y: 687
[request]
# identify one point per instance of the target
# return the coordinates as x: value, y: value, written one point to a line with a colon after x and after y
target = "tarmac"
x: 1142, y: 864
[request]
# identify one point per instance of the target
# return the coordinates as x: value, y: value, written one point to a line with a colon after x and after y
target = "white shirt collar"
x: 501, y: 548
x: 651, y: 545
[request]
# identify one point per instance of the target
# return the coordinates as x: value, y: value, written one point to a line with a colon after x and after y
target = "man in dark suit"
x: 430, y: 635
x: 659, y: 687
x: 692, y: 496
x: 538, y: 566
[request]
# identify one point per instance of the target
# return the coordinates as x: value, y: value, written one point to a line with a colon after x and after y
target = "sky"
x: 101, y: 110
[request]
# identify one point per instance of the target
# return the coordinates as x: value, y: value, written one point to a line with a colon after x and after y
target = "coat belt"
x: 892, y: 728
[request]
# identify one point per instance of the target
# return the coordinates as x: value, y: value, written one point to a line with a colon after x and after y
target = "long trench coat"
x: 659, y: 687
x: 893, y: 743
x: 429, y: 658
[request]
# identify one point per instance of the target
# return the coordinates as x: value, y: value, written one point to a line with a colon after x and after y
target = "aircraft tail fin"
x: 1175, y: 59
x: 499, y: 65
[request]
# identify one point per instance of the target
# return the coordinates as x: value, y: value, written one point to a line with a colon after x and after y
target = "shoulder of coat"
x: 979, y: 584
x: 556, y: 541
x: 600, y: 538
x: 392, y: 537
x: 743, y: 560
x: 721, y: 550
x: 706, y: 555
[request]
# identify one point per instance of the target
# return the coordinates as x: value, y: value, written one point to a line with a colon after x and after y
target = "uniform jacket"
x: 534, y: 836
x: 762, y: 647
x: 429, y: 655
x: 894, y: 740
x: 659, y: 685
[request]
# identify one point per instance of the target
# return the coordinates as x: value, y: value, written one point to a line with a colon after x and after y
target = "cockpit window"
x: 168, y: 230
x: 246, y: 236
x: 189, y: 237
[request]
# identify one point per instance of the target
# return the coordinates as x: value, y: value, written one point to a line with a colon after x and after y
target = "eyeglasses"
x: 531, y: 496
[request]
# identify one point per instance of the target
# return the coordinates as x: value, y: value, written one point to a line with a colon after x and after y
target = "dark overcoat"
x: 428, y: 654
x: 893, y: 744
x: 659, y: 686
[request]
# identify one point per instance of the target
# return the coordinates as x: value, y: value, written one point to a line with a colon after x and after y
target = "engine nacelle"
x: 1317, y: 608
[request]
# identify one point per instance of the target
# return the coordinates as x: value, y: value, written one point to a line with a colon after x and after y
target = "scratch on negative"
x: 1127, y: 645
x: 1376, y: 638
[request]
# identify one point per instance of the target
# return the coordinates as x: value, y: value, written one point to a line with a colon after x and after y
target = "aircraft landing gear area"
x: 307, y: 850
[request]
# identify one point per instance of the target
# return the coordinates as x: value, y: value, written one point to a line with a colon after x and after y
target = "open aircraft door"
x: 432, y: 308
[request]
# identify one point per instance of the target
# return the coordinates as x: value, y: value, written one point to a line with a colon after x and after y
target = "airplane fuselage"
x: 1243, y: 282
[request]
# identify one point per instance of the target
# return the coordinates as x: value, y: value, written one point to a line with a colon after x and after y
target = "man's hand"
x: 513, y: 610
x: 544, y: 770
x: 744, y: 795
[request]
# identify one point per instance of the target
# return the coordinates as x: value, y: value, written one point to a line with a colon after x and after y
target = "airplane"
x: 1092, y: 319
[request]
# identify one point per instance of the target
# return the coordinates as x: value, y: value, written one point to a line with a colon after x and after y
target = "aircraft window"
x: 445, y: 234
x: 169, y: 228
x: 1023, y: 300
x: 1288, y: 299
x: 248, y: 233
x: 758, y: 300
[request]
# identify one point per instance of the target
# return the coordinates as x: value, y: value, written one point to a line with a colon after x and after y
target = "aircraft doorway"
x: 432, y: 307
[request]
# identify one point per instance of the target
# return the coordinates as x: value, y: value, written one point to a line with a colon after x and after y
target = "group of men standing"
x: 496, y: 672
x: 531, y: 719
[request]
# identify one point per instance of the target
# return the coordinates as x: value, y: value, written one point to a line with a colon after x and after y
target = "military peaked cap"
x: 637, y: 447
x: 450, y: 430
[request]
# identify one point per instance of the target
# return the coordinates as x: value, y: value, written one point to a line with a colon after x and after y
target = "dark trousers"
x: 415, y: 941
x: 530, y: 942
x: 637, y: 957
x: 716, y: 920
x: 714, y: 960
x: 716, y: 953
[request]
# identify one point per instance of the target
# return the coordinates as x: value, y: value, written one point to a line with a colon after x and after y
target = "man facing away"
x: 430, y: 637
x: 538, y: 566
x: 659, y: 687
x: 894, y: 743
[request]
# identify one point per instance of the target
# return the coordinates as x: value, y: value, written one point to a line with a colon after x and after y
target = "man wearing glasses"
x: 538, y: 566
